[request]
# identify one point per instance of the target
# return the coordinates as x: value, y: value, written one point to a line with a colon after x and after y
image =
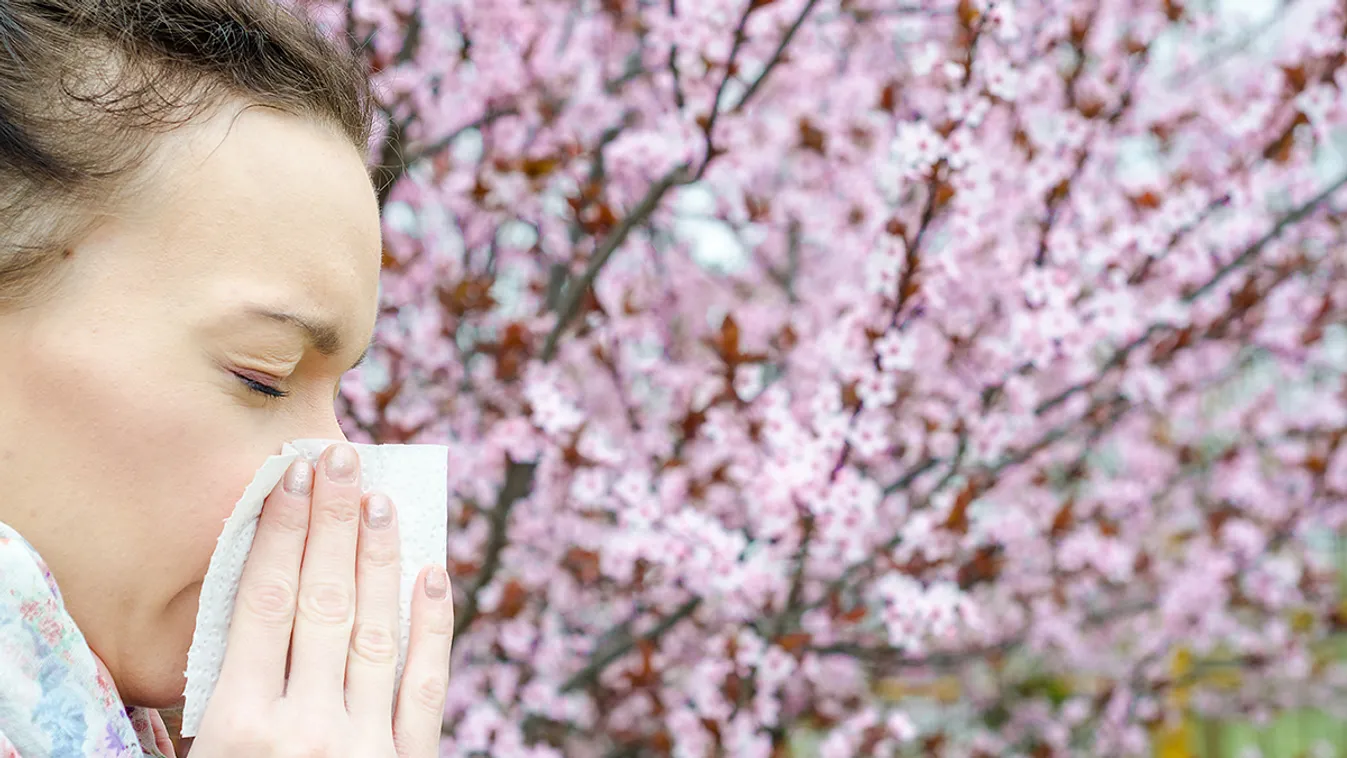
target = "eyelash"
x: 265, y: 390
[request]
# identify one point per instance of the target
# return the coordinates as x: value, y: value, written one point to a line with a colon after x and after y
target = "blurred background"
x: 872, y: 377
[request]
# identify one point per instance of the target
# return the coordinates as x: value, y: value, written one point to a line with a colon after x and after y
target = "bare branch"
x: 898, y: 658
x: 486, y: 119
x: 1276, y: 231
x: 396, y: 159
x: 626, y: 643
x: 710, y: 128
x: 679, y: 99
x: 576, y: 290
x: 1249, y: 253
x: 518, y: 483
x: 776, y: 56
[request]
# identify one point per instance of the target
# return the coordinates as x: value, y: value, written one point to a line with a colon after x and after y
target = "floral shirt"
x: 56, y: 697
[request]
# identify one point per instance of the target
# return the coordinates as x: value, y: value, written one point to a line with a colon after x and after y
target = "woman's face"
x: 130, y: 416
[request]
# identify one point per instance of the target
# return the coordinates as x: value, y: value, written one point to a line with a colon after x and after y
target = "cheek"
x: 153, y: 458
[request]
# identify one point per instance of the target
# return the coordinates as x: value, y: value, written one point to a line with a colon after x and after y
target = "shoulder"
x: 23, y: 570
x: 52, y: 699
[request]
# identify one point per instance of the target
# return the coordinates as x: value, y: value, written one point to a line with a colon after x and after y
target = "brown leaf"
x: 888, y: 97
x: 1147, y: 199
x: 1090, y: 107
x: 470, y: 294
x: 728, y: 346
x: 958, y: 515
x: 1142, y: 563
x: 584, y: 564
x: 794, y: 642
x: 1064, y: 519
x: 853, y: 616
x: 758, y: 207
x: 944, y: 192
x: 536, y: 168
x: 1247, y: 296
x: 1296, y: 77
x: 811, y: 137
x: 512, y: 599
x: 1281, y: 148
x: 985, y: 566
x: 968, y: 13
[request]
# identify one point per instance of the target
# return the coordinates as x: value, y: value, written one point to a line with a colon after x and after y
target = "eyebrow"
x: 324, y: 337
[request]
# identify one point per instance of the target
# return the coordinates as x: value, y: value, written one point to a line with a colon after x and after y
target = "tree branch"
x: 1249, y: 253
x: 776, y: 57
x: 575, y: 292
x: 626, y: 643
x: 710, y: 128
x: 394, y: 161
x: 1257, y: 247
x: 518, y: 483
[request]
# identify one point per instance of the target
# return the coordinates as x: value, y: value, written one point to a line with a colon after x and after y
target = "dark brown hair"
x: 86, y: 85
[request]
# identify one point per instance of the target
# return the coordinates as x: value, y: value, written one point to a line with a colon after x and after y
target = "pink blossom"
x: 939, y: 331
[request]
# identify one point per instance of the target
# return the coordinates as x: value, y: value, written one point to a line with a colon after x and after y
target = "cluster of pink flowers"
x: 954, y: 376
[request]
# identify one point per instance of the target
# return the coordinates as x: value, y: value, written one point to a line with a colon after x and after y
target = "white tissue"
x: 415, y: 478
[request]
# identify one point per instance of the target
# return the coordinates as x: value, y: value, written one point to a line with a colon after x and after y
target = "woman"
x: 189, y: 261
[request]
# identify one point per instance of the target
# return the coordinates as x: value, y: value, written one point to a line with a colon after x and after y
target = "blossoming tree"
x: 1006, y: 425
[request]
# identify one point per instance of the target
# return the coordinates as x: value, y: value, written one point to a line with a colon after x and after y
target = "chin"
x: 153, y: 689
x: 157, y: 678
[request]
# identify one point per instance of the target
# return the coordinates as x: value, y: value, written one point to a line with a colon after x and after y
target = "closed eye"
x: 266, y: 390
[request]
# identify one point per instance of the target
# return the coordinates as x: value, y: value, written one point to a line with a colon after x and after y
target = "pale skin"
x: 134, y: 408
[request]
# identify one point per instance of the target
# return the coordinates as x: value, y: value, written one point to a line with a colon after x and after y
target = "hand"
x: 312, y: 651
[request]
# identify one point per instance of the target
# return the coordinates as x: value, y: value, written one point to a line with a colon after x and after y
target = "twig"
x: 679, y: 99
x: 576, y: 290
x: 602, y: 659
x: 739, y: 36
x: 1056, y: 199
x: 897, y: 658
x: 1275, y: 232
x: 486, y: 119
x: 1120, y: 357
x: 776, y: 56
x: 1216, y: 58
x: 518, y: 483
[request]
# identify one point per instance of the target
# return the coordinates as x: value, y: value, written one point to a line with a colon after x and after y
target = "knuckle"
x: 286, y: 514
x: 270, y: 598
x: 374, y: 643
x: 338, y: 509
x: 379, y: 552
x: 440, y: 623
x: 429, y: 692
x: 326, y: 602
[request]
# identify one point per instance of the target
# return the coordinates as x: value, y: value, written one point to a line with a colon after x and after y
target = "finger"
x: 326, y: 607
x: 425, y: 679
x: 264, y: 611
x: 372, y: 664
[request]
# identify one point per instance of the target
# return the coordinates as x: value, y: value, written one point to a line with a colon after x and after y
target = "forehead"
x: 270, y: 206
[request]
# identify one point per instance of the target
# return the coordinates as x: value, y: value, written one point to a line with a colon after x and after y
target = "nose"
x: 333, y: 430
x: 321, y: 424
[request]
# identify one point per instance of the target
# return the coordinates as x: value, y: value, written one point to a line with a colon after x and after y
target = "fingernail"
x: 437, y: 583
x: 299, y: 478
x: 378, y: 511
x: 342, y: 463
